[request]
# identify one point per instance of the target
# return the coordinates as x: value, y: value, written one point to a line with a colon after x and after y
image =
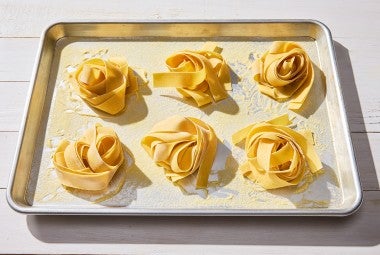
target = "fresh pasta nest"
x: 182, y: 146
x: 277, y: 155
x: 103, y: 84
x: 91, y: 162
x: 201, y: 75
x: 284, y: 72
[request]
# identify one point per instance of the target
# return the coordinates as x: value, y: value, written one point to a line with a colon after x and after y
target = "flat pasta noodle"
x: 90, y: 162
x: 182, y: 146
x: 202, y: 75
x: 276, y: 154
x: 103, y: 84
x: 285, y: 72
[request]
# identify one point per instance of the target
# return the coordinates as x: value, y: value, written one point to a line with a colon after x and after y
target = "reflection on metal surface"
x: 25, y: 177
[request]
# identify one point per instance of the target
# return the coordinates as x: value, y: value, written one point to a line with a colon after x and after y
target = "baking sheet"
x: 147, y: 191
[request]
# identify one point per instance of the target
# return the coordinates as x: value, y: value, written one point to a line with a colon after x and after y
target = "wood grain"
x: 358, y: 68
x: 201, y: 235
x: 12, y: 103
x: 33, y: 18
x: 354, y: 27
x: 8, y: 142
x: 17, y: 58
x: 367, y: 153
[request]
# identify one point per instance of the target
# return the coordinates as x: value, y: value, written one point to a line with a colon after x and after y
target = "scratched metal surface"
x: 146, y: 190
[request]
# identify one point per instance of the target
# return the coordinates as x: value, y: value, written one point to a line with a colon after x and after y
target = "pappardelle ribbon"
x: 91, y: 162
x: 103, y: 84
x: 182, y: 146
x: 202, y: 75
x: 285, y: 71
x: 276, y: 154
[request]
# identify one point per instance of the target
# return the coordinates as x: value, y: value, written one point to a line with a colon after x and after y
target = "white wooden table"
x: 355, y: 28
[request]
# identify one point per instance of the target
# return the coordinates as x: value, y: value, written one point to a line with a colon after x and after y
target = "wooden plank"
x: 353, y: 25
x: 17, y: 58
x: 367, y: 153
x: 34, y: 16
x: 356, y: 234
x: 12, y: 102
x: 358, y: 72
x: 8, y: 141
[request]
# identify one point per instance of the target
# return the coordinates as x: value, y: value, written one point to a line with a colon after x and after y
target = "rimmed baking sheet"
x: 62, y: 114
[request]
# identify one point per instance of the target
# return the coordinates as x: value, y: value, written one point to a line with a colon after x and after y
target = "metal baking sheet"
x: 54, y: 112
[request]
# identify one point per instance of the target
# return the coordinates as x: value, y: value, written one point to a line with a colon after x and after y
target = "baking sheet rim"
x: 189, y: 212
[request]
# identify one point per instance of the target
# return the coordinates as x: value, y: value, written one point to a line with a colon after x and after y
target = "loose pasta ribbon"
x: 276, y: 154
x: 285, y: 71
x: 91, y: 162
x: 202, y: 75
x: 182, y: 146
x: 103, y: 84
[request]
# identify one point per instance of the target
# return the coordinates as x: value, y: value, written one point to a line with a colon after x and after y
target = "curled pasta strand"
x: 103, y: 84
x: 182, y: 146
x: 91, y: 162
x: 201, y: 75
x: 277, y: 155
x: 285, y: 72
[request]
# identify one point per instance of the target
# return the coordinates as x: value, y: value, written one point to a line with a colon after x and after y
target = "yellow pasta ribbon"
x: 276, y: 154
x: 103, y: 84
x: 285, y: 71
x: 182, y: 146
x: 202, y: 75
x: 91, y: 162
